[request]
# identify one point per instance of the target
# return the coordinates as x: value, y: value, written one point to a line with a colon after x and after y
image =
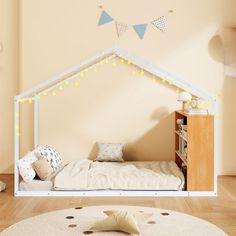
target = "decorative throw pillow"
x: 110, y: 152
x: 42, y: 168
x: 122, y: 221
x: 25, y: 166
x: 51, y: 155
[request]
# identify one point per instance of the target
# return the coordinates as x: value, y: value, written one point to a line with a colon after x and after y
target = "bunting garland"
x: 121, y: 28
x: 160, y: 23
x: 140, y: 29
x: 104, y: 18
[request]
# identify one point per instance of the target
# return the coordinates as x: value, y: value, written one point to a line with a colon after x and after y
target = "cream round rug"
x: 77, y: 221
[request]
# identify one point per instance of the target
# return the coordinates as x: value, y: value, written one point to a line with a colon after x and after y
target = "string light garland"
x: 74, y: 81
x: 114, y: 64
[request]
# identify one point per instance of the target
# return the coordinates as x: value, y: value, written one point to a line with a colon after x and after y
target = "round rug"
x: 77, y: 221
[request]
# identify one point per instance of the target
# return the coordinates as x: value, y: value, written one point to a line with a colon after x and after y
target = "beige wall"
x: 112, y: 105
x: 8, y: 78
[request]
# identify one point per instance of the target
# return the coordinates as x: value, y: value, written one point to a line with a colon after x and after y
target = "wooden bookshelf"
x: 200, y: 150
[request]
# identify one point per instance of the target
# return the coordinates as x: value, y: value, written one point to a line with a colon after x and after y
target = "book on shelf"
x: 197, y: 112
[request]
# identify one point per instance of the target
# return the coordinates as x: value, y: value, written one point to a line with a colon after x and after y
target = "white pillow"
x: 51, y: 155
x: 25, y: 167
x: 110, y: 152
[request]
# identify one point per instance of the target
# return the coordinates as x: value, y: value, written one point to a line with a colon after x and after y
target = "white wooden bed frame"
x: 54, y: 82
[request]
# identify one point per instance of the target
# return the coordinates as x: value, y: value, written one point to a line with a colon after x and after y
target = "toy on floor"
x: 2, y: 186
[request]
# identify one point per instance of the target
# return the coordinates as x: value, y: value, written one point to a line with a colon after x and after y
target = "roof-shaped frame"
x: 117, y: 51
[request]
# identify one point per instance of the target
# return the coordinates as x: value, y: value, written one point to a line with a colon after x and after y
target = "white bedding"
x: 149, y: 175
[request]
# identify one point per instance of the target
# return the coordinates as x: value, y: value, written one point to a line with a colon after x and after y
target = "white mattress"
x: 36, y: 185
x: 148, y: 175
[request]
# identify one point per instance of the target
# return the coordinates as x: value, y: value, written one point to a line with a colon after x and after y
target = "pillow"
x: 25, y: 166
x: 42, y: 168
x: 122, y: 221
x: 110, y: 152
x: 51, y: 155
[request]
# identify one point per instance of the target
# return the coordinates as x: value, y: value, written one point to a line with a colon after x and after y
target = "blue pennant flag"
x: 104, y: 18
x: 140, y: 30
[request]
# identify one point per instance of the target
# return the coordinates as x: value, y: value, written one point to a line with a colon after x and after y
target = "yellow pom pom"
x: 67, y: 83
x: 22, y: 101
x: 154, y: 81
x: 61, y: 87
x: 17, y: 126
x: 38, y: 97
x: 142, y: 72
x: 186, y: 90
x: 122, y: 60
x: 30, y: 101
x: 208, y: 103
x: 17, y: 114
x: 163, y: 81
x: 76, y: 83
x: 114, y: 63
x: 81, y: 74
x: 107, y: 61
x: 199, y: 105
x: 177, y: 90
x: 133, y: 72
x: 170, y: 83
x: 45, y: 93
x: 128, y: 62
x: 101, y: 63
x: 54, y: 93
x: 18, y: 133
x: 94, y: 70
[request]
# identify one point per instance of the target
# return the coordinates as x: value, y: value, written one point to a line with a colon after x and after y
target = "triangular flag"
x: 104, y: 18
x: 140, y: 30
x: 160, y: 23
x: 121, y: 28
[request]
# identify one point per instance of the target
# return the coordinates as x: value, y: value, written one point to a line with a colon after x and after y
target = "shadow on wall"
x: 154, y: 141
x: 222, y: 49
x: 228, y: 117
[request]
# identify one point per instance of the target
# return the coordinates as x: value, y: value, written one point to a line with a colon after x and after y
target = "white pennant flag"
x: 160, y: 23
x: 121, y: 28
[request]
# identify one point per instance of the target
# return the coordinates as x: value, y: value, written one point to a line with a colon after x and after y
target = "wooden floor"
x: 220, y: 210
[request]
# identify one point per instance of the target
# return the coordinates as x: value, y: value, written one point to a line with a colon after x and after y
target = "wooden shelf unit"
x: 200, y: 150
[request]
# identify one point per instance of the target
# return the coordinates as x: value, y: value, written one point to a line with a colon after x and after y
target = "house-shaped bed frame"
x: 73, y: 73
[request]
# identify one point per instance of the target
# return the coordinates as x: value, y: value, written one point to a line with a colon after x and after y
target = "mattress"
x: 148, y: 175
x: 36, y: 185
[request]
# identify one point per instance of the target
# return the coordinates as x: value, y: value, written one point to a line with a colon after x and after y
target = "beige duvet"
x: 148, y: 175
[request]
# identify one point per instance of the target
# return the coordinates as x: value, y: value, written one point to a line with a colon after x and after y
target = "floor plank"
x: 220, y: 210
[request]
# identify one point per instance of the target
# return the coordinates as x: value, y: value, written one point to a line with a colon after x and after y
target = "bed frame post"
x: 36, y: 121
x: 17, y: 144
